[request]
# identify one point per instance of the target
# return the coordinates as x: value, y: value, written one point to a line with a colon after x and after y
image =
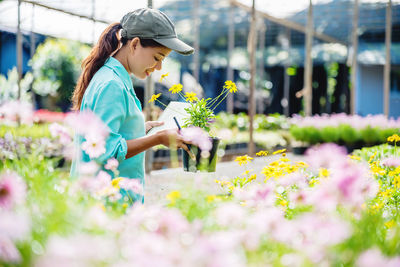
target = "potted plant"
x: 200, y: 117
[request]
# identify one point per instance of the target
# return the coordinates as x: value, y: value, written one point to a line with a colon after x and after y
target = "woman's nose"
x: 159, y: 65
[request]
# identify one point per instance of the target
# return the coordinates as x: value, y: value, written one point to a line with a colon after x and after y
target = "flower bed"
x: 351, y: 130
x: 330, y: 209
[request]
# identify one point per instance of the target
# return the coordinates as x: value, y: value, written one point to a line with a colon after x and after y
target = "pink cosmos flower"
x: 13, y: 111
x: 94, y: 146
x: 325, y: 156
x: 229, y: 214
x: 86, y: 123
x: 373, y: 257
x: 57, y: 130
x: 391, y: 162
x: 8, y: 251
x: 78, y: 250
x: 197, y: 137
x: 132, y: 184
x: 12, y: 190
x: 88, y: 168
x: 112, y: 164
x: 96, y: 184
x: 13, y: 227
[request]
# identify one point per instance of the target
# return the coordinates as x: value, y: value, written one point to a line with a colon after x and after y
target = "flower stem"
x: 219, y: 102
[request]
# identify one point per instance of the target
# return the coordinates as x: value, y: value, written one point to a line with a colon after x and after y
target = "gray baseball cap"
x: 153, y: 24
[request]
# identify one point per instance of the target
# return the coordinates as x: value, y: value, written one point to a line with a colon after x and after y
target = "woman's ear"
x: 133, y: 44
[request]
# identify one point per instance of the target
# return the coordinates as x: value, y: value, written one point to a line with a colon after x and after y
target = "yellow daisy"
x: 243, y: 159
x: 154, y: 97
x: 231, y: 86
x: 279, y: 151
x: 163, y: 76
x: 191, y: 96
x: 176, y: 88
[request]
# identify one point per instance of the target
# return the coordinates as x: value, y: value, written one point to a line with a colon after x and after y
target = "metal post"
x: 196, y: 56
x: 19, y: 50
x: 231, y: 45
x: 386, y: 75
x: 33, y: 39
x: 148, y: 92
x: 286, y: 78
x: 252, y: 49
x: 307, y: 91
x: 353, y: 93
x: 261, y: 71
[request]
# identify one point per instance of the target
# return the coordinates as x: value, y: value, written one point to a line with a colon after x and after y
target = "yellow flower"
x: 176, y: 88
x: 253, y: 177
x: 116, y: 181
x: 323, y: 172
x: 246, y: 172
x: 191, y: 96
x: 376, y: 207
x: 279, y: 151
x: 376, y: 169
x: 262, y: 153
x: 173, y: 196
x: 211, y: 198
x: 163, y: 76
x: 396, y: 181
x: 154, y: 97
x: 302, y: 164
x: 372, y: 157
x: 393, y: 138
x: 355, y: 157
x: 231, y: 86
x: 243, y: 159
x: 390, y: 224
x: 313, y: 182
x: 283, y: 203
x: 387, y: 193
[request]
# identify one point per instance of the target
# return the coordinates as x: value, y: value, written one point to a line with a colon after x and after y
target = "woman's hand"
x: 151, y: 124
x: 172, y: 138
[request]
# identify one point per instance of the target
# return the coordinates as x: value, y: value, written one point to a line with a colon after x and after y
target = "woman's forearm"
x: 138, y: 145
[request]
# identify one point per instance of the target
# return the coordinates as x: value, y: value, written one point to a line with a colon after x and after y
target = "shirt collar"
x: 119, y: 69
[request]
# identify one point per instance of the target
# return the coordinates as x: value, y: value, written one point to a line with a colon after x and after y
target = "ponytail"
x: 107, y: 44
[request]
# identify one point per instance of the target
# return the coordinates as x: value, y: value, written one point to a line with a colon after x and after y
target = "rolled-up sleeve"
x: 110, y: 105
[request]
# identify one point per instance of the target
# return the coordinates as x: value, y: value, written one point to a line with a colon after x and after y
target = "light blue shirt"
x: 110, y: 95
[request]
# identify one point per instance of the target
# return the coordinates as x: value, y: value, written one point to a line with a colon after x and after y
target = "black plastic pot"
x: 206, y: 162
x: 299, y: 150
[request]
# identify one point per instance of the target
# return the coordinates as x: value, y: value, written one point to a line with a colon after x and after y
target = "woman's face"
x: 142, y: 61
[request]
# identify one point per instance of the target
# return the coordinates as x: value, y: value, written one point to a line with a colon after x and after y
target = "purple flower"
x: 198, y: 137
x: 12, y: 190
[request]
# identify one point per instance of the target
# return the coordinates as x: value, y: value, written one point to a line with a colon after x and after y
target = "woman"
x: 104, y: 87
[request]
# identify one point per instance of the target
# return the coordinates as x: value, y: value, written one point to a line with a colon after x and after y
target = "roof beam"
x: 289, y: 24
x: 65, y: 12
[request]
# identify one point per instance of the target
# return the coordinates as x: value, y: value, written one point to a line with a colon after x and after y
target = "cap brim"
x: 176, y: 45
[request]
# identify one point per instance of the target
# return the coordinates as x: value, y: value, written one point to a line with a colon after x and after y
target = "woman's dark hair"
x: 108, y: 43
